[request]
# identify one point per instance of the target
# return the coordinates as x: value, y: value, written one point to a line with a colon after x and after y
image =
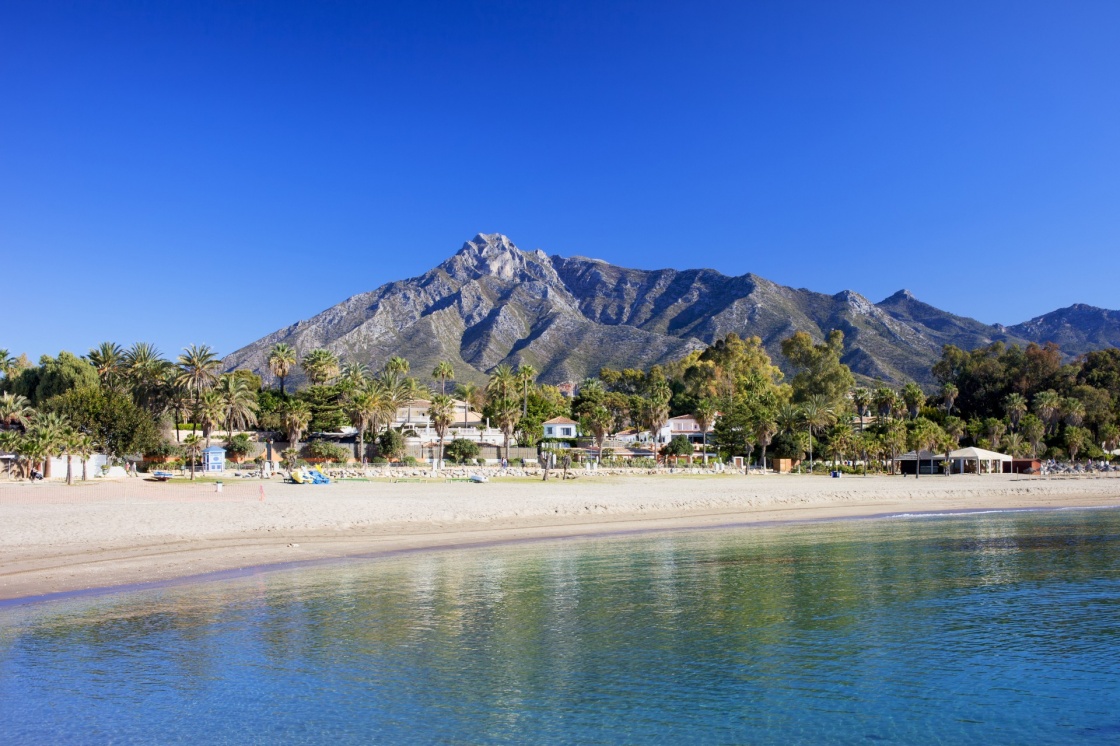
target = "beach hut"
x: 982, y: 461
x: 213, y: 459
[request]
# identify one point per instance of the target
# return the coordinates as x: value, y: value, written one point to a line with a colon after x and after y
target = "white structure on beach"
x: 982, y: 461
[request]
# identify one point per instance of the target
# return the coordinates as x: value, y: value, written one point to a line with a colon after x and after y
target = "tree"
x: 949, y: 393
x: 1015, y: 405
x: 1073, y: 411
x: 53, y: 376
x: 954, y: 429
x: 321, y: 366
x: 655, y: 411
x: 15, y: 411
x: 764, y: 430
x: 108, y: 360
x: 84, y: 445
x: 7, y: 364
x: 526, y: 376
x: 239, y: 402
x: 816, y: 413
x: 1076, y: 439
x: 472, y: 397
x: 462, y: 450
x: 398, y: 365
x: 390, y: 444
x: 1048, y: 406
x: 441, y: 413
x: 922, y: 435
x: 995, y: 430
x: 913, y: 397
x: 198, y: 371
x: 296, y: 416
x: 365, y: 407
x: 443, y: 371
x: 281, y: 359
x: 894, y: 441
x: 209, y: 412
x: 507, y: 412
x: 192, y: 449
x: 677, y: 447
x: 705, y: 414
x: 111, y: 418
x: 861, y: 400
x: 501, y: 382
x: 597, y: 421
x: 886, y: 402
x: 1033, y: 429
x: 819, y: 370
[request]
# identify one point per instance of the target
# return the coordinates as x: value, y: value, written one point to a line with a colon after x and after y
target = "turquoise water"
x: 1000, y: 628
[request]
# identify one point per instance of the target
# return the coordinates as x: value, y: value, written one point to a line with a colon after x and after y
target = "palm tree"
x: 921, y: 436
x: 15, y: 411
x: 894, y: 440
x: 839, y: 441
x: 598, y: 422
x: 764, y: 430
x: 526, y: 376
x: 501, y: 381
x: 84, y: 445
x: 68, y: 446
x: 108, y: 360
x: 281, y: 359
x: 1073, y: 412
x: 296, y: 417
x: 321, y: 366
x: 508, y: 413
x: 1014, y: 445
x: 178, y: 398
x: 209, y: 411
x: 913, y: 397
x: 198, y: 370
x: 354, y: 375
x: 705, y: 414
x: 886, y: 401
x: 816, y: 414
x: 239, y: 402
x: 949, y: 394
x: 443, y: 371
x: 144, y: 368
x: 954, y: 429
x: 471, y: 396
x: 861, y: 400
x: 397, y: 364
x: 1076, y: 438
x: 364, y: 407
x: 441, y: 413
x: 1015, y: 405
x: 192, y: 448
x: 656, y: 412
x: 50, y: 429
x: 1048, y: 405
x: 995, y: 429
x: 1034, y: 429
x: 7, y: 363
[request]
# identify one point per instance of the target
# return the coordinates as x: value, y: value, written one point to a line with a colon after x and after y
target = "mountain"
x: 492, y: 303
x: 1077, y: 329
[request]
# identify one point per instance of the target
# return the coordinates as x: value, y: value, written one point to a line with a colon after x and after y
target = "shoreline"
x: 51, y: 551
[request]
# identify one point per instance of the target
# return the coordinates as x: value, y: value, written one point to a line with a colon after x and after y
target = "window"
x: 567, y: 432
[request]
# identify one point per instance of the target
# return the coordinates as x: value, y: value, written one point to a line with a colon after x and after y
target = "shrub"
x: 515, y: 462
x: 479, y: 461
x: 163, y: 449
x: 325, y: 449
x: 239, y: 446
x: 390, y: 444
x: 378, y: 461
x: 461, y: 450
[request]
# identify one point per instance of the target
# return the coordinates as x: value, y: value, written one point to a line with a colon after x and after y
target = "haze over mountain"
x: 493, y: 303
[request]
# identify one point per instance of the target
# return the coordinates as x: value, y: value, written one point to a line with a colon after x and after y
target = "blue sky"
x: 207, y: 172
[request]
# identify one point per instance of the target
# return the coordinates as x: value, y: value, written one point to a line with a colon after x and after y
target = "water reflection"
x: 1002, y: 627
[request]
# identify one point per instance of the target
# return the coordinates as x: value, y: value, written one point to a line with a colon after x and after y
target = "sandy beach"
x: 102, y: 534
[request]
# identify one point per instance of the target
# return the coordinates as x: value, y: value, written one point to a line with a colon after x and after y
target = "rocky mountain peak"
x: 495, y: 255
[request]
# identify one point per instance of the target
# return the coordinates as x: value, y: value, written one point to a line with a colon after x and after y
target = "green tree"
x: 192, y: 449
x: 281, y: 359
x: 296, y: 416
x: 108, y: 360
x: 913, y: 397
x: 443, y: 372
x: 526, y: 377
x: 1015, y: 405
x: 111, y: 418
x: 462, y: 451
x: 819, y: 370
x: 597, y: 421
x: 198, y: 371
x: 390, y: 444
x: 1076, y: 439
x: 441, y: 413
x: 705, y: 415
x: 815, y: 414
x: 321, y: 366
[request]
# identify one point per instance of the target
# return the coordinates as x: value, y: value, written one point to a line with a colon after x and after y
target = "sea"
x: 993, y: 628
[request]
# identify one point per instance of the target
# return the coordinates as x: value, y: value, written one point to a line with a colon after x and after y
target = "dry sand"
x: 55, y: 538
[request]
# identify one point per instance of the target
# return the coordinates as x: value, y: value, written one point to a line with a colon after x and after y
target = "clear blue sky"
x: 211, y: 171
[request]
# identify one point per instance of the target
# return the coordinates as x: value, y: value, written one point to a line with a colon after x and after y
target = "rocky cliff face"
x: 492, y: 303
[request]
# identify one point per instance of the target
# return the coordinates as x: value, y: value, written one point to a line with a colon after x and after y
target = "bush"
x: 410, y: 461
x: 515, y: 462
x: 378, y: 461
x: 163, y: 449
x: 325, y: 449
x: 461, y: 450
x: 239, y: 446
x: 390, y: 444
x: 479, y: 461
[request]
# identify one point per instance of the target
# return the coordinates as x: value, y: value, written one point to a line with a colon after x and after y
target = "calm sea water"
x: 996, y: 628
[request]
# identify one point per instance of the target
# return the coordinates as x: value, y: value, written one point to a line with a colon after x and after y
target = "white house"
x: 561, y: 427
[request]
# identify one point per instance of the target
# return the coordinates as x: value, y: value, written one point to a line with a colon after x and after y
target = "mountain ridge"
x: 492, y: 303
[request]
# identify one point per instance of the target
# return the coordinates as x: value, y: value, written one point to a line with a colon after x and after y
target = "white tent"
x: 985, y: 460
